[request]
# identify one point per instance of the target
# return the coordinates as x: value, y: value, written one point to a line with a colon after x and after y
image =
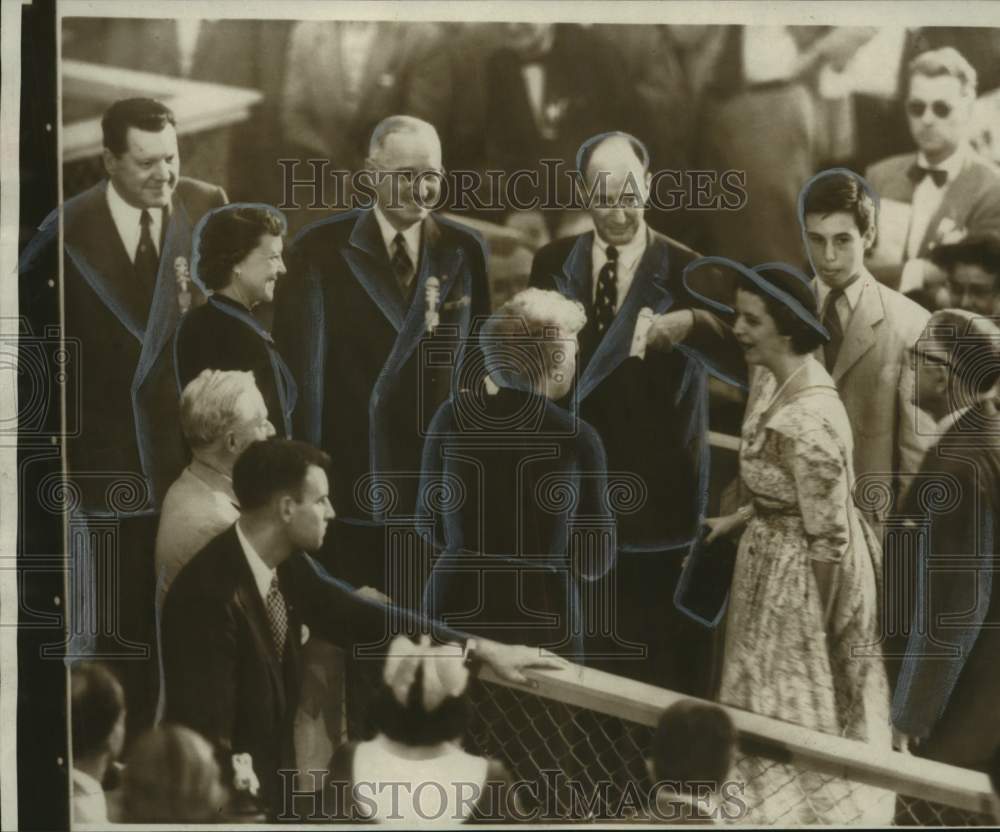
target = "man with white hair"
x: 366, y: 290
x: 643, y: 385
x: 221, y: 413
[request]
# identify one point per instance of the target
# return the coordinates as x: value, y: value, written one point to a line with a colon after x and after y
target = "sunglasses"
x: 941, y: 109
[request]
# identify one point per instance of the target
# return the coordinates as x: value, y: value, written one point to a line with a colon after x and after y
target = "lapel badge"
x: 183, y: 275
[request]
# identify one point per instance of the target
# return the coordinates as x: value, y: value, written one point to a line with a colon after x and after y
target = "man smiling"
x: 125, y: 239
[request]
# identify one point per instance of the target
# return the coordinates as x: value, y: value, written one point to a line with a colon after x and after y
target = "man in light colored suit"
x: 871, y: 328
x: 950, y: 189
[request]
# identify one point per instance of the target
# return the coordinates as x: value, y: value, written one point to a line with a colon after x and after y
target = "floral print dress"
x: 780, y: 660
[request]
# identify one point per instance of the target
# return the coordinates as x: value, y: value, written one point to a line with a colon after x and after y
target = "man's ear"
x: 868, y: 238
x: 110, y: 161
x: 286, y: 507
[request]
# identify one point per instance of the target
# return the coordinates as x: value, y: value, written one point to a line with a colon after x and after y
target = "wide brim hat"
x: 784, y: 283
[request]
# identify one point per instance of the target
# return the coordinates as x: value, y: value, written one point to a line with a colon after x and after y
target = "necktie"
x: 831, y: 320
x: 277, y: 615
x: 917, y: 173
x: 147, y: 260
x: 607, y: 292
x: 402, y: 265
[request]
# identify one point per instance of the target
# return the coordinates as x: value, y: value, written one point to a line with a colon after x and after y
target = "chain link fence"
x: 589, y: 766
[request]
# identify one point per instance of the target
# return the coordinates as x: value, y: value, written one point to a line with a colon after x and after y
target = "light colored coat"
x: 875, y: 381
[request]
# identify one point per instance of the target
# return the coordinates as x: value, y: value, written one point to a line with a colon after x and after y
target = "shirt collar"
x: 629, y: 253
x: 411, y: 235
x: 214, y: 479
x: 949, y: 421
x: 262, y: 573
x: 952, y: 165
x: 852, y: 292
x: 129, y: 215
x: 88, y: 785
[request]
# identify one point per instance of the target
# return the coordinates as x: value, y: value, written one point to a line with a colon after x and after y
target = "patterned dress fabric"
x: 780, y: 659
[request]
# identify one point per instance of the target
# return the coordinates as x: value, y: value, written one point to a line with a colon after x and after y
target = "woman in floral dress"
x: 802, y: 624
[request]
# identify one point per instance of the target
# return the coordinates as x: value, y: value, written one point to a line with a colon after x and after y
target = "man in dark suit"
x: 368, y: 294
x: 236, y: 617
x: 645, y: 392
x: 949, y: 680
x: 948, y: 189
x: 126, y: 247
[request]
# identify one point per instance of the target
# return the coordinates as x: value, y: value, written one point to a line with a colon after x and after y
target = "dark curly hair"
x: 413, y: 725
x: 226, y: 236
x: 804, y: 338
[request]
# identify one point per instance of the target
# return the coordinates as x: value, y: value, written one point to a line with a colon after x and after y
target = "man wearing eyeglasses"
x: 948, y: 683
x: 949, y: 189
x: 366, y: 290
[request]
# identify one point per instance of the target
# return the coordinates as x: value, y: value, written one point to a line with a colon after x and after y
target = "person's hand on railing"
x: 901, y: 742
x: 509, y: 661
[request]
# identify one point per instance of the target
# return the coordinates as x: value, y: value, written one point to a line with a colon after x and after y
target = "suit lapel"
x: 96, y: 249
x: 956, y: 193
x: 248, y: 597
x: 576, y: 280
x: 368, y: 261
x: 860, y: 335
x: 163, y: 313
x: 648, y: 289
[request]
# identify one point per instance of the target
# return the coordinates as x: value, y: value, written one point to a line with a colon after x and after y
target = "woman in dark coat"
x: 238, y: 258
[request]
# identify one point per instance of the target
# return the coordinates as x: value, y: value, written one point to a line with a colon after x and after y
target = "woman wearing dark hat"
x: 238, y: 257
x: 805, y: 588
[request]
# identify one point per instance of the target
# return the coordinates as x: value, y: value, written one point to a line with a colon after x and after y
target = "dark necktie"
x: 402, y: 265
x: 831, y: 320
x: 917, y: 174
x: 147, y: 260
x: 607, y: 292
x: 277, y: 616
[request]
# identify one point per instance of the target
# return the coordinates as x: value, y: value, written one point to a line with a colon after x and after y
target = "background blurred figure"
x: 549, y: 87
x: 693, y: 748
x: 343, y: 77
x: 221, y: 413
x: 239, y: 263
x: 97, y: 720
x: 943, y: 191
x: 973, y: 274
x: 172, y: 777
x: 421, y: 712
x: 762, y: 117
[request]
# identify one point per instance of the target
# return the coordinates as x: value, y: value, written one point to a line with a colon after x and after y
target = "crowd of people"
x: 531, y: 485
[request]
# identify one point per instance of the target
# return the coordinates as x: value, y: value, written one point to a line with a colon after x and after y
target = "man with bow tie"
x: 950, y: 189
x: 126, y: 243
x: 367, y: 292
x: 643, y: 386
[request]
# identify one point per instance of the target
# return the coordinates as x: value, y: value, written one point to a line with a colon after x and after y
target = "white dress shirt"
x: 89, y: 802
x: 629, y: 256
x: 356, y: 40
x: 127, y: 219
x: 262, y: 573
x: 846, y: 303
x: 411, y: 237
x: 927, y: 197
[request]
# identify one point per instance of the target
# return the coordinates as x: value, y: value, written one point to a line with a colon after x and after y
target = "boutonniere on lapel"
x: 949, y: 232
x: 183, y: 276
x: 640, y: 335
x: 432, y: 299
x: 553, y: 114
